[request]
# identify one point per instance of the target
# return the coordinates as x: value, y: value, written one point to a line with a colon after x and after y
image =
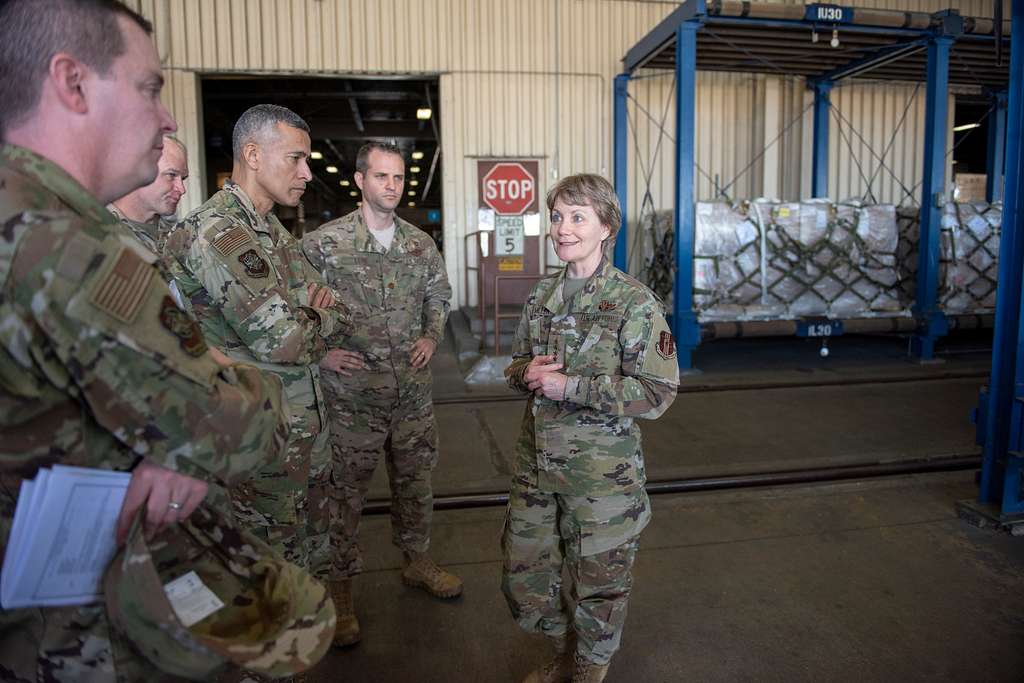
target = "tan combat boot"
x: 588, y: 672
x: 346, y: 632
x: 559, y: 669
x: 421, y: 572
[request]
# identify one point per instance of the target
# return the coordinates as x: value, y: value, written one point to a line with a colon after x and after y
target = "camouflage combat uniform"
x: 577, y: 496
x: 246, y: 279
x: 100, y: 369
x: 153, y: 236
x: 396, y: 296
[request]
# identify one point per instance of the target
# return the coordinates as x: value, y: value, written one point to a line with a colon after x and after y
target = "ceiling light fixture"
x: 412, y: 203
x: 316, y: 155
x: 344, y: 183
x: 414, y: 182
x: 353, y: 193
x: 417, y: 155
x: 414, y: 169
x: 424, y: 113
x: 966, y: 126
x: 412, y: 193
x: 331, y: 169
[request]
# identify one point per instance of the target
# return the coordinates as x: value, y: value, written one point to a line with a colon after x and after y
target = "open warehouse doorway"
x: 342, y: 113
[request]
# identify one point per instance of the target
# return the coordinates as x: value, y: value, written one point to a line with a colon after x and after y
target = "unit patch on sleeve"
x: 183, y: 327
x: 666, y: 345
x: 254, y: 264
x: 122, y: 290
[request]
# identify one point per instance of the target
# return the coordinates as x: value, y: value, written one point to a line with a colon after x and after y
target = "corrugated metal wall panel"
x: 533, y: 78
x: 181, y: 94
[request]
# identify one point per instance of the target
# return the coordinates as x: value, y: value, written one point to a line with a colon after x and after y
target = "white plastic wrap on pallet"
x: 727, y: 261
x: 776, y: 260
x: 969, y: 255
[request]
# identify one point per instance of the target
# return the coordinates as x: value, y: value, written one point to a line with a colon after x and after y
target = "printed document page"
x: 62, y: 538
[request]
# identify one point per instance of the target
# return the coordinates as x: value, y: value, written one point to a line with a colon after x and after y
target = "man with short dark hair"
x: 260, y: 302
x: 100, y: 366
x: 149, y: 211
x: 379, y: 392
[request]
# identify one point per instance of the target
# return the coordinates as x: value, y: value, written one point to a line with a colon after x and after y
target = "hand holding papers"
x: 62, y: 538
x: 169, y: 497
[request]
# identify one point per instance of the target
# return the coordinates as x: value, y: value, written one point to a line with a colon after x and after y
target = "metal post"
x: 931, y: 320
x: 822, y: 111
x: 684, y: 319
x: 996, y: 148
x: 621, y: 167
x: 1000, y: 482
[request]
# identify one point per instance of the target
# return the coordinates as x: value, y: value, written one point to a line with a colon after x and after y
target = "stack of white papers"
x: 63, y: 537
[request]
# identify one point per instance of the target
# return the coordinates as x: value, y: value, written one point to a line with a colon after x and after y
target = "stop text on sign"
x: 509, y: 189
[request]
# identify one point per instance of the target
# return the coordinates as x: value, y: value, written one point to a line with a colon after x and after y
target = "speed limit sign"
x: 508, y: 233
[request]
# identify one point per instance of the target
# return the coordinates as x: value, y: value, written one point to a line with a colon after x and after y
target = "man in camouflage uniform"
x: 149, y: 212
x: 392, y: 277
x: 257, y: 300
x: 593, y: 350
x: 100, y: 368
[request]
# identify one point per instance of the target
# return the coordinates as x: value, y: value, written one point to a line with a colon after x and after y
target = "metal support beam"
x: 996, y: 148
x: 357, y: 116
x: 819, y: 164
x: 621, y: 162
x: 661, y: 35
x: 931, y: 320
x: 881, y: 57
x: 684, y: 319
x: 1000, y: 473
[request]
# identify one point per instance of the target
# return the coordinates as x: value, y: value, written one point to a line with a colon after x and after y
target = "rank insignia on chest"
x: 183, y: 327
x: 254, y: 263
x: 607, y: 306
x: 666, y: 345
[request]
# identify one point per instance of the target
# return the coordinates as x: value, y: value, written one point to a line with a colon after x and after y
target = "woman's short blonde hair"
x: 588, y: 189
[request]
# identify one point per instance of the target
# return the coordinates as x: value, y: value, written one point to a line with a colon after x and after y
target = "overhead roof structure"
x: 825, y: 44
x: 878, y: 44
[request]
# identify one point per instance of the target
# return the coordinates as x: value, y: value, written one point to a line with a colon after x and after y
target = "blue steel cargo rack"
x: 917, y: 49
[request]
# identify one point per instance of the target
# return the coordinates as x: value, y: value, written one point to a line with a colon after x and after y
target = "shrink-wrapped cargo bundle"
x: 776, y: 260
x: 968, y: 256
x: 726, y: 262
x: 830, y: 260
x: 656, y: 246
x: 970, y: 253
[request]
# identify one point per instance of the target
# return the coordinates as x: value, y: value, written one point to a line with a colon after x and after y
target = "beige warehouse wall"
x: 527, y: 78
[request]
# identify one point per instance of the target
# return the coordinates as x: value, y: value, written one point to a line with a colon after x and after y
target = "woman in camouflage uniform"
x: 595, y: 353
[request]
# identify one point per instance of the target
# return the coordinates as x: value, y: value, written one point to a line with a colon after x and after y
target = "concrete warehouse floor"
x: 724, y: 422
x: 871, y: 580
x: 859, y: 581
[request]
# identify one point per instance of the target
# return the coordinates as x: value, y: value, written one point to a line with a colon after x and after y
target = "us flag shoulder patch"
x: 122, y: 290
x: 230, y: 241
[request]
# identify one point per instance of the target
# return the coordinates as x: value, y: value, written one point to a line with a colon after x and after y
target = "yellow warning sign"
x: 510, y: 264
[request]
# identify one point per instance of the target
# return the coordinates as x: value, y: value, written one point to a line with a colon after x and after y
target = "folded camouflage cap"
x: 276, y: 619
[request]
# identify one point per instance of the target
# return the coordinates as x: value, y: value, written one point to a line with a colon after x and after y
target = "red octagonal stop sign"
x: 509, y: 189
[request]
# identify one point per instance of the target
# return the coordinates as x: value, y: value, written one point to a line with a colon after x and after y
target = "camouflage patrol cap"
x: 276, y: 620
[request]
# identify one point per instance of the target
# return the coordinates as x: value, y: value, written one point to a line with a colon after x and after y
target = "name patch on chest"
x: 254, y: 264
